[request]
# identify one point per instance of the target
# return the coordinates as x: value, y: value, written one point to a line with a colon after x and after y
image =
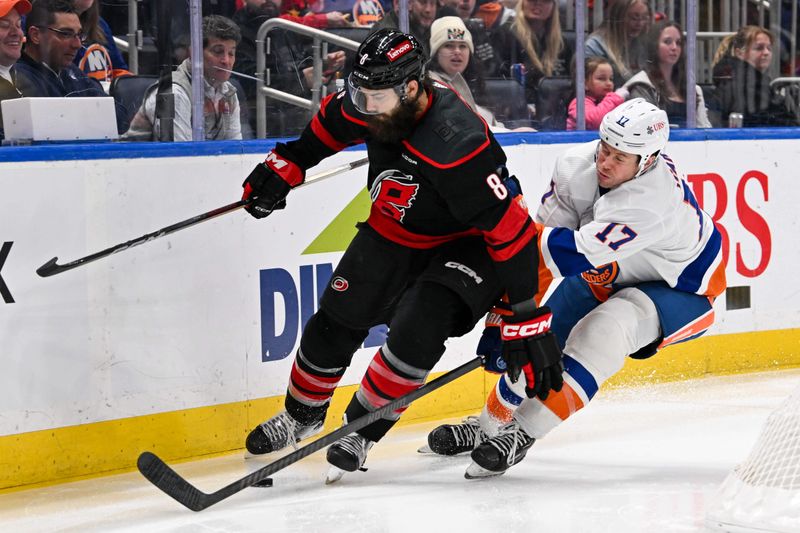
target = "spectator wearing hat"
x: 451, y: 58
x: 11, y: 39
x: 452, y: 64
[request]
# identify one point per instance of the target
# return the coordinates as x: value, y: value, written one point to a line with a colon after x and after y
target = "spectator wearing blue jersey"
x: 99, y: 57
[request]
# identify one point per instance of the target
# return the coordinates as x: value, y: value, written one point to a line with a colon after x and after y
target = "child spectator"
x: 600, y: 97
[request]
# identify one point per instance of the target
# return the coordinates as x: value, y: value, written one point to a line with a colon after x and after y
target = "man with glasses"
x: 54, y: 37
x: 11, y: 39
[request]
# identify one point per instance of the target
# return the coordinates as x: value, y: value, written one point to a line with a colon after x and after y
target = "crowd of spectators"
x: 66, y: 48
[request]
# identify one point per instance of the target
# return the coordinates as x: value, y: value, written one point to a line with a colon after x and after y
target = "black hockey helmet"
x: 388, y: 58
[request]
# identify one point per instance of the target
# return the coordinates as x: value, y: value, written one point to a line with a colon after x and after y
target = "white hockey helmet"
x: 636, y: 127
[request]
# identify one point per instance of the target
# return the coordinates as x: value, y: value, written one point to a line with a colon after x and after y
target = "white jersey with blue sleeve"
x: 647, y: 229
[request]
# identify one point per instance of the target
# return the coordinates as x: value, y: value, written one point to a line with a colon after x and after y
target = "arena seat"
x: 508, y: 102
x: 128, y: 93
x: 552, y: 100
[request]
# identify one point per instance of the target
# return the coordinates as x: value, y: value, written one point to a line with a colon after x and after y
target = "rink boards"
x: 181, y: 345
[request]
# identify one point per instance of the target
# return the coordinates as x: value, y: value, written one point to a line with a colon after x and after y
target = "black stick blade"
x: 169, y: 481
x: 49, y: 268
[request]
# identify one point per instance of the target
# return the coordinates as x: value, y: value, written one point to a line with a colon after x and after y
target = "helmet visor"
x: 373, y: 101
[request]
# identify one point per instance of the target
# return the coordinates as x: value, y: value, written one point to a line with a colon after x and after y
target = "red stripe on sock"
x: 314, y: 386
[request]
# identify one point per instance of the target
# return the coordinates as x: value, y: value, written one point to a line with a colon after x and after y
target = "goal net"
x: 763, y: 493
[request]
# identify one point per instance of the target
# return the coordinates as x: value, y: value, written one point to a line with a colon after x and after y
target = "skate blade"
x: 248, y: 456
x: 425, y: 449
x: 334, y: 474
x: 475, y: 471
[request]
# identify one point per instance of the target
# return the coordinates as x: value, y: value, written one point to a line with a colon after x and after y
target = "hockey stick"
x: 51, y: 267
x: 169, y: 481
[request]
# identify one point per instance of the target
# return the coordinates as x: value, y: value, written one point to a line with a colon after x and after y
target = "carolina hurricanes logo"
x: 339, y: 284
x: 602, y: 275
x: 393, y: 192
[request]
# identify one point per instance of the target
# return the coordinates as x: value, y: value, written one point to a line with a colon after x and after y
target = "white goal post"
x: 763, y: 493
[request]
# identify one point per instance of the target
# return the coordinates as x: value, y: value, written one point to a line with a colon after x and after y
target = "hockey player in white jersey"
x: 641, y: 263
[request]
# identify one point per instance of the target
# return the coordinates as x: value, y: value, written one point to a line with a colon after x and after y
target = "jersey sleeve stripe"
x: 562, y: 251
x: 512, y: 225
x: 514, y: 231
x: 718, y: 281
x: 546, y: 276
x: 691, y: 279
x: 499, y: 247
x: 325, y: 136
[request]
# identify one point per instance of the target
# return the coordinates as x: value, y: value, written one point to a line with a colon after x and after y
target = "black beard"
x: 396, y: 126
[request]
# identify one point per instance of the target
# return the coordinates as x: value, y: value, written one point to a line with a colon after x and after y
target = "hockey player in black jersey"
x: 445, y: 238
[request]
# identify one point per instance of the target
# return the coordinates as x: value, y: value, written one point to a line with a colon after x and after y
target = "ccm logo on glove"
x: 540, y: 324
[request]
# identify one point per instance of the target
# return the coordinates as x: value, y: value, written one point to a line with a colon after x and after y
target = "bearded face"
x: 396, y: 125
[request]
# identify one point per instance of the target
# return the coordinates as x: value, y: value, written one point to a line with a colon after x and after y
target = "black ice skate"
x: 499, y: 453
x: 452, y: 439
x: 347, y: 455
x: 279, y: 432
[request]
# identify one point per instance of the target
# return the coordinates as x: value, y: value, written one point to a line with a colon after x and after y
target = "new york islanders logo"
x: 96, y: 62
x: 393, y: 192
x: 603, y: 275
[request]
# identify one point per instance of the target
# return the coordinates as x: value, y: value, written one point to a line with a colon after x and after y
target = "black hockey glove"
x: 530, y: 347
x: 267, y: 190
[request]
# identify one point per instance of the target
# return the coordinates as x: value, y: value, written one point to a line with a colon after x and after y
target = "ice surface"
x: 645, y: 459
